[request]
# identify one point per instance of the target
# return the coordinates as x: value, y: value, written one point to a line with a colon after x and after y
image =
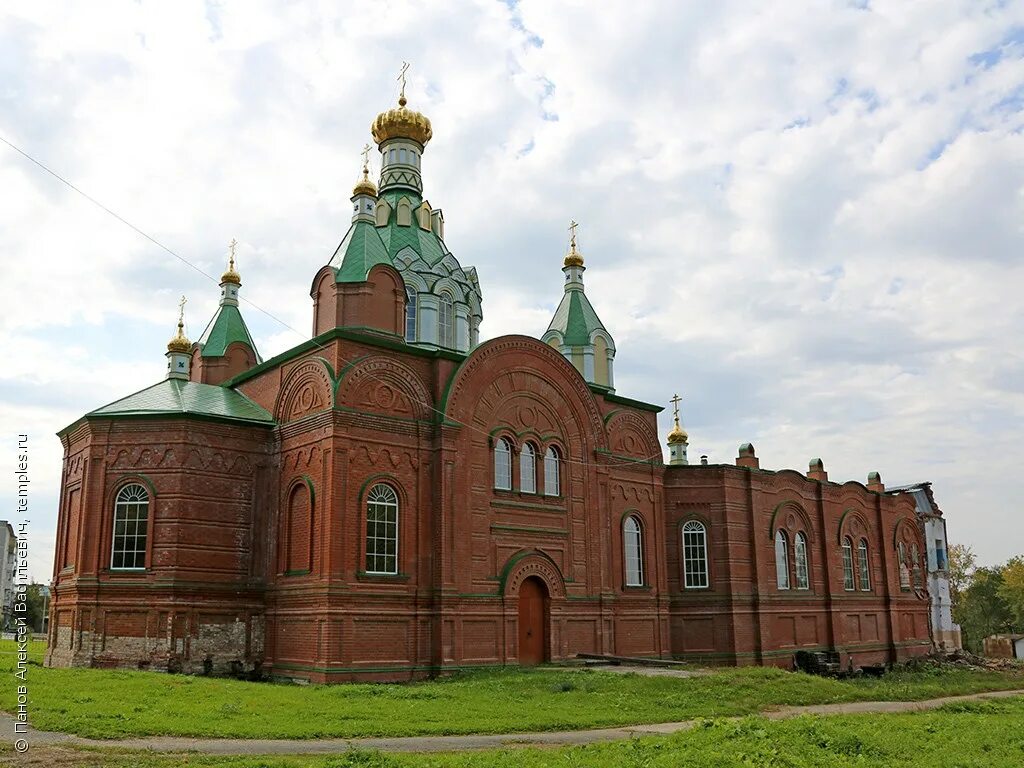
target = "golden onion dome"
x: 364, y: 186
x: 401, y: 123
x: 677, y: 435
x: 231, y: 275
x: 573, y: 258
x: 180, y: 342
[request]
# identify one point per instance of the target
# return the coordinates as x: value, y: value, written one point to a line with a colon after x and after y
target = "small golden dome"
x: 231, y: 275
x: 180, y: 342
x: 401, y: 123
x: 364, y: 186
x: 573, y: 258
x: 677, y: 435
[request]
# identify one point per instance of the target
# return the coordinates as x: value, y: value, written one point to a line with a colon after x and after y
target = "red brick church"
x: 394, y: 499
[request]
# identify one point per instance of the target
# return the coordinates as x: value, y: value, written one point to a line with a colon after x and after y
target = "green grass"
x: 975, y: 735
x: 117, y: 704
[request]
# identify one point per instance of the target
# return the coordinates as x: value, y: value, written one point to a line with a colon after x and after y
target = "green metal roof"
x: 226, y: 328
x: 359, y: 252
x: 575, y: 319
x: 395, y: 238
x: 176, y: 396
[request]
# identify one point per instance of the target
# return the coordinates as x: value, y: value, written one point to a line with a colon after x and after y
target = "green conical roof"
x: 359, y: 252
x: 226, y: 328
x: 176, y: 396
x: 576, y: 319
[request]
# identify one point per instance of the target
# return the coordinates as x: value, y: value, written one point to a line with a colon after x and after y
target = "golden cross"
x: 401, y: 78
x: 231, y: 251
x: 181, y: 310
x: 572, y: 231
x: 366, y: 155
x: 675, y: 405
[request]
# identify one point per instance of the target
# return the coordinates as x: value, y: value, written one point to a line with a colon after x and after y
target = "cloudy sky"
x: 805, y: 217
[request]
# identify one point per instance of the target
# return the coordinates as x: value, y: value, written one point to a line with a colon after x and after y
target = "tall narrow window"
x: 847, y: 564
x: 446, y: 321
x: 410, y: 313
x: 552, y: 481
x: 864, y: 563
x: 901, y: 555
x: 781, y: 560
x: 695, y: 555
x: 803, y: 580
x: 131, y: 517
x: 528, y: 469
x: 915, y: 565
x: 503, y: 465
x: 632, y: 540
x: 382, y: 530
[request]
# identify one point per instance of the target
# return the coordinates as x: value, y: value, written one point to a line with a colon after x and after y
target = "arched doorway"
x: 534, y: 607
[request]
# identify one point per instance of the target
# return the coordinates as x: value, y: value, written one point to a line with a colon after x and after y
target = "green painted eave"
x: 226, y: 328
x: 373, y: 339
x: 360, y: 251
x: 620, y: 400
x: 176, y: 397
x: 576, y: 319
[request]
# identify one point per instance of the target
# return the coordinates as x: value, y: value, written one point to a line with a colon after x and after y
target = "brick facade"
x: 256, y: 546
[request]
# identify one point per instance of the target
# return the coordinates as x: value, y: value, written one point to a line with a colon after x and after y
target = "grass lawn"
x: 116, y: 704
x: 974, y: 735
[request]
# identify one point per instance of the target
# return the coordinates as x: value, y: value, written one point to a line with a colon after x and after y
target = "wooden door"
x: 533, y: 623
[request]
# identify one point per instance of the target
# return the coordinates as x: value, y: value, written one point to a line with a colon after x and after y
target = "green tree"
x: 962, y: 562
x: 982, y: 610
x: 1012, y: 590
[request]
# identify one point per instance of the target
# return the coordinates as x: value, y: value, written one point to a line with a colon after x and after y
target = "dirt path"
x: 43, y: 739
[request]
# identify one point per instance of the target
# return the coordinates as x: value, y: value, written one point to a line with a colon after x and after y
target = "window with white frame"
x: 695, y: 555
x: 864, y: 563
x: 803, y: 580
x: 848, y: 583
x: 410, y: 313
x: 446, y: 321
x: 528, y: 469
x: 131, y: 521
x: 503, y: 465
x: 781, y: 560
x: 552, y: 480
x: 632, y: 542
x: 382, y: 529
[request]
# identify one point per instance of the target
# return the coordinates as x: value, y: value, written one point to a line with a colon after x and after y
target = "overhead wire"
x: 271, y: 315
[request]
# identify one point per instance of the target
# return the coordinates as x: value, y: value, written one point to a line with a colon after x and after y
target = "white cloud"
x: 806, y: 218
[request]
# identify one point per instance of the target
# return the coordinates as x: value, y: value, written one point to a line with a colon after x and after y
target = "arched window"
x: 847, y: 563
x: 446, y: 321
x: 781, y: 560
x: 410, y: 313
x: 382, y: 529
x: 901, y: 555
x: 633, y: 554
x: 552, y: 480
x: 695, y: 555
x: 131, y: 518
x: 865, y: 566
x: 803, y: 580
x: 299, y: 530
x: 503, y: 465
x: 528, y: 469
